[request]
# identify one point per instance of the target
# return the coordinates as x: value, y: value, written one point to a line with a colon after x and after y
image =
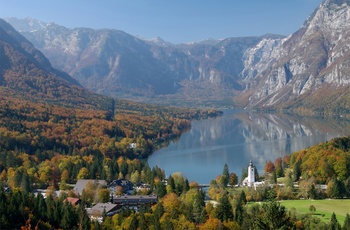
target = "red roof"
x: 72, y: 200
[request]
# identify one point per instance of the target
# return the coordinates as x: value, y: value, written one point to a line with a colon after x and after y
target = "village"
x: 123, y: 194
x: 116, y: 203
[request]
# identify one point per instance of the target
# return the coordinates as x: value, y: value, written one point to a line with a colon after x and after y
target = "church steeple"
x: 251, y: 174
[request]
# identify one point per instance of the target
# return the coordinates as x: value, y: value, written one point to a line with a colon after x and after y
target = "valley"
x: 306, y: 72
x: 145, y: 123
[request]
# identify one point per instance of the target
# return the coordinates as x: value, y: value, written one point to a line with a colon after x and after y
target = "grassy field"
x: 324, y: 208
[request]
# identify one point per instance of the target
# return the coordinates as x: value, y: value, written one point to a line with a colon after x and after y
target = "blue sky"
x: 176, y: 21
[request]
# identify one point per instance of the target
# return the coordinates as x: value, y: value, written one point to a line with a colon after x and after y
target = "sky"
x: 175, y: 21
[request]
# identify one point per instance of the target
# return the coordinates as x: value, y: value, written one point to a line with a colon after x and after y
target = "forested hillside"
x: 324, y: 162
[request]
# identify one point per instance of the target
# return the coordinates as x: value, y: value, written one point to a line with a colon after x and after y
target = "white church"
x: 250, y: 179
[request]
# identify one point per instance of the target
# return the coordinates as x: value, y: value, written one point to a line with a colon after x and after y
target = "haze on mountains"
x: 25, y: 73
x: 307, y: 71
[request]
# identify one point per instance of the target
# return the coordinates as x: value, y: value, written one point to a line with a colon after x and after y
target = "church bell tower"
x: 251, y: 174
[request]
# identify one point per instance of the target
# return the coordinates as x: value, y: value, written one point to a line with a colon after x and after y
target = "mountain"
x: 26, y: 73
x: 114, y: 63
x: 30, y: 25
x: 308, y: 70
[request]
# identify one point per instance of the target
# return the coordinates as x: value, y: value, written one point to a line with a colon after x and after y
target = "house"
x: 135, y: 200
x: 7, y: 189
x: 142, y: 186
x: 125, y: 184
x: 74, y: 201
x: 96, y: 212
x: 132, y: 145
x: 46, y: 192
x: 81, y: 184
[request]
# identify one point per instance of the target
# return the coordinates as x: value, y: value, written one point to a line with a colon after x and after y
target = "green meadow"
x: 324, y: 208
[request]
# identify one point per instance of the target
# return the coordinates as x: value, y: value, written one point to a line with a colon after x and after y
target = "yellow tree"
x: 83, y: 173
x: 172, y: 205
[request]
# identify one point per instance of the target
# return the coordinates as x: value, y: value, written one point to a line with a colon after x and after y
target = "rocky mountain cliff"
x: 117, y: 64
x: 26, y: 73
x: 308, y: 69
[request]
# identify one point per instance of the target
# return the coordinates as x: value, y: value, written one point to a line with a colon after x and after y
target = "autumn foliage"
x: 325, y: 160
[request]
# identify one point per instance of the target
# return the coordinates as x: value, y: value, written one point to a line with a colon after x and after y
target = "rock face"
x: 314, y: 57
x: 267, y: 72
x: 117, y: 64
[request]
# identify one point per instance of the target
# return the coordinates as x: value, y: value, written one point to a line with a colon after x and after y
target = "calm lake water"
x: 238, y: 137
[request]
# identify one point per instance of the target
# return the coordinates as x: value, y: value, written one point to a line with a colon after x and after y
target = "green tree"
x: 243, y: 198
x: 186, y: 186
x: 197, y: 210
x: 347, y: 187
x: 274, y: 177
x: 158, y: 211
x: 297, y: 170
x: 335, y: 188
x: 133, y: 222
x: 171, y: 183
x: 334, y: 224
x: 346, y: 225
x: 104, y: 195
x: 256, y: 173
x: 239, y: 211
x: 160, y: 189
x: 224, y: 209
x: 18, y: 178
x: 274, y: 216
x: 69, y: 217
x: 107, y: 222
x: 84, y: 220
x: 225, y: 177
x: 312, y: 193
x: 312, y: 209
x: 25, y: 183
x: 279, y: 167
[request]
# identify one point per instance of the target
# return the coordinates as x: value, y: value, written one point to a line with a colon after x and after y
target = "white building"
x: 251, y: 174
x: 250, y: 179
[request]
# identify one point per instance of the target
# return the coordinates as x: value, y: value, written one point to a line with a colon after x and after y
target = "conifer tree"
x: 346, y: 225
x: 171, y: 183
x: 160, y: 189
x: 186, y: 186
x: 297, y: 170
x: 133, y: 223
x: 224, y: 209
x: 225, y: 177
x: 274, y: 216
x: 159, y: 211
x: 334, y: 224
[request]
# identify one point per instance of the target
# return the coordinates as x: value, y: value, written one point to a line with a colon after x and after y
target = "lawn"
x: 324, y: 208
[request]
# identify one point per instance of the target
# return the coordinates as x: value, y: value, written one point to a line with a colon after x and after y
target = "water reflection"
x: 238, y: 137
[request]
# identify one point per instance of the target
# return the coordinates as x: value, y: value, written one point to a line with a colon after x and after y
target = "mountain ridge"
x: 311, y: 59
x: 26, y: 73
x: 266, y: 72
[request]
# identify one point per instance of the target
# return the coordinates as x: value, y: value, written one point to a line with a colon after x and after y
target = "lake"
x: 238, y: 137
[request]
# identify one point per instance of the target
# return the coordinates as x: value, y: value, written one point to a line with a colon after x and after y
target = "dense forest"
x: 48, y: 146
x: 53, y: 132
